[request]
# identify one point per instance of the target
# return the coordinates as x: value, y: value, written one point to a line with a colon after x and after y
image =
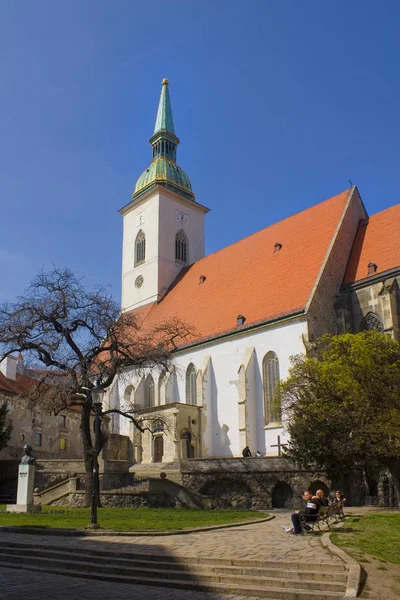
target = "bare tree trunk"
x: 88, y: 452
x: 393, y: 464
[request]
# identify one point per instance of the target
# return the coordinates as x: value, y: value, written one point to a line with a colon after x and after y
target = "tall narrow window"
x: 149, y: 392
x: 181, y: 247
x: 191, y: 391
x: 162, y: 388
x: 270, y: 379
x: 140, y: 248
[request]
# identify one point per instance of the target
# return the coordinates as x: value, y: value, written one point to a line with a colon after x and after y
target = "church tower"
x: 163, y: 225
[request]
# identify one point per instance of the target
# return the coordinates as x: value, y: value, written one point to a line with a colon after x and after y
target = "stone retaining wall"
x: 257, y: 483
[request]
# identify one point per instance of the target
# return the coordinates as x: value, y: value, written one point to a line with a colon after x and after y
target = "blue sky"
x: 277, y: 104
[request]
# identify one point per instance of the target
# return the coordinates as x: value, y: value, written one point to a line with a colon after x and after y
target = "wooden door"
x: 158, y: 448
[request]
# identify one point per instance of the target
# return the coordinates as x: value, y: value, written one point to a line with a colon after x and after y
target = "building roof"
x: 378, y: 242
x: 21, y: 385
x: 165, y: 172
x: 253, y: 277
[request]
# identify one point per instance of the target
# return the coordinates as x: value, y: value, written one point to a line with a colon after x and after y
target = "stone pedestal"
x: 26, y: 480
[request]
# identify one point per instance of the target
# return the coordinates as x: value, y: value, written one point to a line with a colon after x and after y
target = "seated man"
x: 310, y: 511
x: 321, y: 497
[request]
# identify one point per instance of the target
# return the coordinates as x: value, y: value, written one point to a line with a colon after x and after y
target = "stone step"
x: 174, y: 572
x: 323, y: 567
x: 272, y: 593
x: 276, y: 572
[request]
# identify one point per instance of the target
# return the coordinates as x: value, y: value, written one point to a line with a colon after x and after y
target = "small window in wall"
x: 38, y: 439
x: 140, y: 248
x: 191, y: 390
x: 63, y: 443
x: 181, y: 247
x: 63, y: 421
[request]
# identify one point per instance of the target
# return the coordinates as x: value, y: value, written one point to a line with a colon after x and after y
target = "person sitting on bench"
x: 310, y: 512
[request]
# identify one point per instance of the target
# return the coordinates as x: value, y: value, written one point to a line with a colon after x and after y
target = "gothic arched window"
x: 140, y: 248
x: 181, y: 247
x: 162, y: 388
x: 270, y: 380
x: 371, y: 322
x: 149, y: 392
x: 191, y: 390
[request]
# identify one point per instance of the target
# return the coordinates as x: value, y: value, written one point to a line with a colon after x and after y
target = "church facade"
x: 251, y: 305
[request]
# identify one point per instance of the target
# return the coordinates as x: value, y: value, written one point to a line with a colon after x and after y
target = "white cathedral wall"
x: 222, y: 437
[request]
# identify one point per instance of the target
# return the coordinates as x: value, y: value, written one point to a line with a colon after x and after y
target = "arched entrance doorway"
x: 282, y: 495
x: 158, y: 448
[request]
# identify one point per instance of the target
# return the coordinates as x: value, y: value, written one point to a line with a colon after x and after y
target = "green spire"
x: 164, y: 121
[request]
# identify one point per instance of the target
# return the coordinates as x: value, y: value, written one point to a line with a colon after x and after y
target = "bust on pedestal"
x: 26, y: 479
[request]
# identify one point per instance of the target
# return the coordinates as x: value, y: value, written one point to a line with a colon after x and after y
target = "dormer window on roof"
x: 372, y: 268
x: 277, y: 247
x: 240, y: 320
x: 202, y: 278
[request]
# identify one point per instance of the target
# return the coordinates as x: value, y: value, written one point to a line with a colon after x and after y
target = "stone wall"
x: 378, y: 295
x: 321, y: 315
x: 121, y: 500
x: 257, y: 483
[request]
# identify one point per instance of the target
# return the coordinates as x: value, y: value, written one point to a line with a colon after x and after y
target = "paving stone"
x: 262, y: 541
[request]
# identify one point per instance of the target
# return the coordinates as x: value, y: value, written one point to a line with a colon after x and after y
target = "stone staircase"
x: 153, y: 470
x: 252, y: 578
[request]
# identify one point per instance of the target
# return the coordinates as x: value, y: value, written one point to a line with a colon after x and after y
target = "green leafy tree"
x: 343, y: 407
x: 5, y: 426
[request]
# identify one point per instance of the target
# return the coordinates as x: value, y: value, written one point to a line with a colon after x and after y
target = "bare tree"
x: 76, y: 337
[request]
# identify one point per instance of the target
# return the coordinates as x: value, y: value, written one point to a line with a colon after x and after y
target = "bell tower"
x: 163, y: 225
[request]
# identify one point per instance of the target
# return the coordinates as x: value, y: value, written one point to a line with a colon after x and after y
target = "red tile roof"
x: 248, y: 278
x: 377, y: 241
x: 21, y: 385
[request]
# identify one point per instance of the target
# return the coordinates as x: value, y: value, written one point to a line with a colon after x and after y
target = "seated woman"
x: 339, y: 497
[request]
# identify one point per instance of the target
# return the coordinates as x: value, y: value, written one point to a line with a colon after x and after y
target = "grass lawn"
x: 128, y: 519
x: 376, y: 534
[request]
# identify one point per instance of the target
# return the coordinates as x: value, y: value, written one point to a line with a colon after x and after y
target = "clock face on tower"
x: 181, y: 217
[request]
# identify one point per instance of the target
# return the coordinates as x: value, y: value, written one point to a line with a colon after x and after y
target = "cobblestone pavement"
x: 260, y: 541
x: 266, y: 541
x: 16, y: 584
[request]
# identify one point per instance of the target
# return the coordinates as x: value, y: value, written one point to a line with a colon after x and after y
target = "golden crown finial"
x: 165, y: 81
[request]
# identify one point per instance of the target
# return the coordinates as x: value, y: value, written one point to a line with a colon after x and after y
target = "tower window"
x: 140, y: 248
x: 181, y: 247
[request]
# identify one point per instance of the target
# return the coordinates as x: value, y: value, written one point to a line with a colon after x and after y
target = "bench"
x: 326, y: 514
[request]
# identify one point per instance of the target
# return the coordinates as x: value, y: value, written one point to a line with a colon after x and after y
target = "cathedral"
x: 330, y: 268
